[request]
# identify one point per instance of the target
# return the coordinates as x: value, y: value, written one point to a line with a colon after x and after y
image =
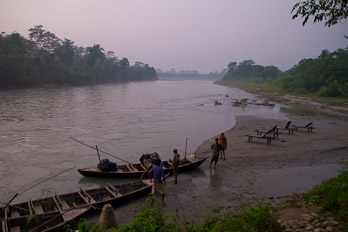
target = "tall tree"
x: 330, y: 11
x: 44, y: 40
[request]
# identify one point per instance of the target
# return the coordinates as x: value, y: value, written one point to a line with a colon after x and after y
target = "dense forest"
x: 326, y: 75
x: 44, y: 59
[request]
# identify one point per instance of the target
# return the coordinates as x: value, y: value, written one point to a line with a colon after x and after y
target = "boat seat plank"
x: 129, y: 168
x: 30, y: 209
x: 132, y: 167
x: 115, y: 189
x: 83, y: 197
x: 65, y: 205
x: 111, y: 192
x: 58, y: 198
x: 15, y: 229
x: 15, y: 214
x: 38, y: 209
x: 89, y: 196
x: 57, y: 204
x: 4, y: 226
x: 141, y: 165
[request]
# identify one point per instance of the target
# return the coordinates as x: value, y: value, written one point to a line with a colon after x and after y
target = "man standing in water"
x: 175, y: 165
x: 157, y: 173
x: 216, y: 147
x: 223, y: 142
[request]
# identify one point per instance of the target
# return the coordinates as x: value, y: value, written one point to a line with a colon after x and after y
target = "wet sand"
x: 250, y: 169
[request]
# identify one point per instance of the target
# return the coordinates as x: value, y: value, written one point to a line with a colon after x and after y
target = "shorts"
x: 159, y: 187
x: 175, y: 171
x: 214, y: 158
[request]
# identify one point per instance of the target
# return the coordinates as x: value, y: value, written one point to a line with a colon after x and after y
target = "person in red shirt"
x: 223, y: 142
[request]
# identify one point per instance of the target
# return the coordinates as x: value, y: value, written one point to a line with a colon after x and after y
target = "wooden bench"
x: 274, y: 133
x: 309, y: 127
x: 268, y: 138
x: 290, y: 130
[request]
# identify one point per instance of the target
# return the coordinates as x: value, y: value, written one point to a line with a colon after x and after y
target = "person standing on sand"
x: 175, y: 165
x: 157, y: 173
x: 223, y: 142
x: 216, y: 147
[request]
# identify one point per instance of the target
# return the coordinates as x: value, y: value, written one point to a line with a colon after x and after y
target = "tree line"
x: 45, y: 59
x: 326, y: 75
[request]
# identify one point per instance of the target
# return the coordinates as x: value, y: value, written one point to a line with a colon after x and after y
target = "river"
x: 126, y: 120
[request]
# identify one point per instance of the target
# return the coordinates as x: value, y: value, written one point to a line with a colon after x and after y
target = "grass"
x: 274, y: 92
x: 332, y: 195
x: 152, y: 218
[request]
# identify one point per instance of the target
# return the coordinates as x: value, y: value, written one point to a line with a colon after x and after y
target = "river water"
x: 126, y: 120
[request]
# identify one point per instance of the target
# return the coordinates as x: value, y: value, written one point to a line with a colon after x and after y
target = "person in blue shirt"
x: 159, y: 180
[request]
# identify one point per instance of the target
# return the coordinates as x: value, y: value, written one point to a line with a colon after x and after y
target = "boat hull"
x: 127, y: 172
x: 52, y: 212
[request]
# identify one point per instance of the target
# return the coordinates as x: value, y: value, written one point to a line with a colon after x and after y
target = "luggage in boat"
x: 107, y: 166
x: 149, y: 159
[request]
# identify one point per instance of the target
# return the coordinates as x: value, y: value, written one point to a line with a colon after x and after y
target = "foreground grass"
x: 274, y: 92
x: 151, y: 218
x: 332, y: 196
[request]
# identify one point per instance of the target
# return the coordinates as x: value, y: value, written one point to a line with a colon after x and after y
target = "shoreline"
x: 287, y: 99
x: 240, y: 179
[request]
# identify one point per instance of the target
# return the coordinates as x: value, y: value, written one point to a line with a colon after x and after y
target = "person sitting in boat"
x: 148, y: 160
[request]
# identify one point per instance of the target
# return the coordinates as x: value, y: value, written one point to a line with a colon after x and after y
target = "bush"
x: 332, y: 195
x: 152, y: 218
x: 256, y: 219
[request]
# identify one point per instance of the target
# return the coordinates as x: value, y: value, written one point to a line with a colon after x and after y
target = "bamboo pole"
x: 99, y: 150
x: 185, y: 148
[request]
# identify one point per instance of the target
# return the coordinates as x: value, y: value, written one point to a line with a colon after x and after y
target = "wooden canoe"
x: 53, y: 212
x: 138, y: 170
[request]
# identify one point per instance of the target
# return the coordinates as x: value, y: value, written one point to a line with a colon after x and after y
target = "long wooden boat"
x: 53, y: 212
x: 138, y: 170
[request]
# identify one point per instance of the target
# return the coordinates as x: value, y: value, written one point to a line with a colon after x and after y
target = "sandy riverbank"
x: 245, y: 175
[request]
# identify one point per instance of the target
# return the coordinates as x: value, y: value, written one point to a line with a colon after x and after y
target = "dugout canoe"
x: 138, y: 170
x: 51, y: 213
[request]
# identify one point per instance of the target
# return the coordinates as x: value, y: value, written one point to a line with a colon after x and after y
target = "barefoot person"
x: 223, y: 142
x: 216, y: 147
x: 175, y: 165
x: 159, y: 179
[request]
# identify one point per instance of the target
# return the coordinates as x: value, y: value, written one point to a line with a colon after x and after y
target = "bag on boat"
x: 107, y: 166
x: 149, y: 159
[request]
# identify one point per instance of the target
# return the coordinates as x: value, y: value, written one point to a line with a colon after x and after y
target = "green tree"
x: 330, y: 11
x: 94, y: 54
x: 45, y: 59
x: 65, y: 52
x: 44, y: 40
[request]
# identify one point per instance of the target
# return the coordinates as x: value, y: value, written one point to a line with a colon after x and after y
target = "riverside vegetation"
x: 323, y: 79
x: 44, y: 59
x: 330, y: 198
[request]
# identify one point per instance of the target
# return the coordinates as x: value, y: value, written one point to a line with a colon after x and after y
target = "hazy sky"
x: 204, y: 35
